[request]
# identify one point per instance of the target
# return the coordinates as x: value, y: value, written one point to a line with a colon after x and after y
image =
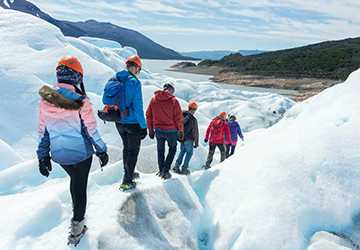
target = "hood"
x: 162, y: 96
x: 218, y: 122
x: 124, y: 75
x: 62, y: 97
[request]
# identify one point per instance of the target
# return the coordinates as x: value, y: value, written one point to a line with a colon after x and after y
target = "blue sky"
x: 187, y: 25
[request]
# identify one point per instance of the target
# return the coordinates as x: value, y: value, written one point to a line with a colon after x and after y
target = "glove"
x: 151, y: 133
x: 45, y: 166
x: 181, y: 136
x: 104, y: 158
x: 206, y: 140
x: 143, y: 133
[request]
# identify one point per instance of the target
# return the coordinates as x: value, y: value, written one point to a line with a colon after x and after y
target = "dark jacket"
x: 191, y: 130
x: 164, y: 112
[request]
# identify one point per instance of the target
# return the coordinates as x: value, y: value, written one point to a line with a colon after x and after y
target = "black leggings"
x: 212, y: 148
x: 79, y: 174
x: 230, y: 150
x: 131, y: 138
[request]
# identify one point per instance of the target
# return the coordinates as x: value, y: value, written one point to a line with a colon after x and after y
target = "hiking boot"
x: 158, y: 173
x: 77, y: 231
x: 176, y: 169
x: 166, y: 175
x: 206, y: 167
x: 128, y: 186
x: 136, y: 175
x: 185, y: 171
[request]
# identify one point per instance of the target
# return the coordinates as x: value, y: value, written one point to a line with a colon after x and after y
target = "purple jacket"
x: 235, y: 130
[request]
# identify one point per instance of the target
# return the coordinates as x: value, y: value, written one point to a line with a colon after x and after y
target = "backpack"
x: 114, y: 93
x: 217, y: 128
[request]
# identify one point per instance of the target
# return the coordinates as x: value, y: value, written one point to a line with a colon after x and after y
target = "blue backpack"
x: 114, y: 94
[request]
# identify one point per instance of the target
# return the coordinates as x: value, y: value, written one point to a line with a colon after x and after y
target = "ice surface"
x: 9, y: 156
x: 291, y: 180
x: 101, y: 43
x: 327, y: 241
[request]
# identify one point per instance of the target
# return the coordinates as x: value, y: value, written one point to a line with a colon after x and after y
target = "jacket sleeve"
x: 43, y: 150
x: 227, y: 133
x: 178, y: 117
x: 196, y: 133
x: 134, y: 100
x: 88, y: 118
x: 239, y: 131
x: 149, y: 115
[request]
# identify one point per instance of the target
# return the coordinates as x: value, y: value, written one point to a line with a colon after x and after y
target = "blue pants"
x: 169, y: 136
x: 187, y: 148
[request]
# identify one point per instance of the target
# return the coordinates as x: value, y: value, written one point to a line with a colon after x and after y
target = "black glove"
x: 143, y: 133
x: 45, y: 166
x: 104, y: 158
x: 151, y: 133
x: 181, y: 136
x: 206, y: 140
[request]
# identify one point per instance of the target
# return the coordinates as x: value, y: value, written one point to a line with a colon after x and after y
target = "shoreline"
x: 301, y: 88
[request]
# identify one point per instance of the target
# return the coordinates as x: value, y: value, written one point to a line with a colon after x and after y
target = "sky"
x: 190, y: 25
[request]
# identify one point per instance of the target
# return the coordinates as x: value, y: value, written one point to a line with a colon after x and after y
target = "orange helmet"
x: 71, y: 62
x: 223, y: 115
x: 193, y: 105
x: 135, y: 59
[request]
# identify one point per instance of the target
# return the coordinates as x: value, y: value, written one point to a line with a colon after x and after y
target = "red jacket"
x: 217, y: 130
x: 164, y: 112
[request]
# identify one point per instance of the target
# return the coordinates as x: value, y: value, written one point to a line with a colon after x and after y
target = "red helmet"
x: 223, y: 115
x: 71, y: 62
x: 135, y: 59
x: 193, y: 105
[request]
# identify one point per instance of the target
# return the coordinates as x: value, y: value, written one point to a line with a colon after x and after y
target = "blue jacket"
x: 235, y: 130
x: 131, y: 99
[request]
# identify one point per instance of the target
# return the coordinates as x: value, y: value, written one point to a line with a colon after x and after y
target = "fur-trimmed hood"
x: 62, y: 98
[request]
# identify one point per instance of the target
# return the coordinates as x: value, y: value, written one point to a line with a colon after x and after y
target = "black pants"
x: 230, y: 150
x: 79, y: 174
x: 212, y: 148
x: 131, y: 138
x: 163, y: 136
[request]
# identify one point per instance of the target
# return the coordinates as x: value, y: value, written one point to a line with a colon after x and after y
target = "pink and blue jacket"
x: 67, y: 126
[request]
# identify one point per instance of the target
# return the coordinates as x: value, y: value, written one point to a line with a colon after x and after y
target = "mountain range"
x: 218, y: 54
x: 145, y: 47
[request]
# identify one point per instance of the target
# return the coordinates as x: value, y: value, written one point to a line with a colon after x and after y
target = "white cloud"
x: 287, y: 21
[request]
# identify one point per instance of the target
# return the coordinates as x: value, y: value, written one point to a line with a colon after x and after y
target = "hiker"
x: 215, y: 135
x: 132, y: 124
x: 191, y: 139
x: 235, y: 131
x: 68, y: 136
x: 165, y: 121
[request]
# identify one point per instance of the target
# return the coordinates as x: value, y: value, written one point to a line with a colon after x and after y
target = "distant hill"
x: 218, y: 54
x: 330, y: 60
x: 145, y: 46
